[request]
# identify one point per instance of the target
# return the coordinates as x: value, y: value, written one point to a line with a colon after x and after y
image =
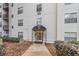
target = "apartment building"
x: 68, y: 21
x: 4, y: 19
x: 60, y: 20
x: 26, y: 16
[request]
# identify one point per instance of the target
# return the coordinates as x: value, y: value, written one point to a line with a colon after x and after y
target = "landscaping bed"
x: 10, y: 39
x: 16, y: 49
x: 66, y: 49
x: 51, y: 48
x: 74, y: 42
x: 1, y: 50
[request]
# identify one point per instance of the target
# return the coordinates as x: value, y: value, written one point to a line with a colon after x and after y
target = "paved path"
x: 37, y: 50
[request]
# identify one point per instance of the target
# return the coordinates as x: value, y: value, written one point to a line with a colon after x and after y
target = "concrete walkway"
x: 37, y: 50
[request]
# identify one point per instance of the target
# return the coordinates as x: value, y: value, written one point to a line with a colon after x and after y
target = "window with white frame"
x: 39, y: 21
x: 20, y: 22
x: 20, y: 10
x: 70, y: 36
x: 67, y: 3
x: 12, y: 15
x: 20, y: 34
x: 39, y: 9
x: 0, y: 24
x: 71, y: 17
x: 0, y: 6
x: 0, y: 14
x: 12, y: 4
x: 0, y: 34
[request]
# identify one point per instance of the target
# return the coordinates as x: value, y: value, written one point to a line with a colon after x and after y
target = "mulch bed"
x: 16, y: 49
x: 51, y: 48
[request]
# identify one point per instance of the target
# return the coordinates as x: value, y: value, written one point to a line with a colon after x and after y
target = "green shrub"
x: 10, y: 39
x: 74, y: 42
x: 1, y: 46
x: 5, y: 38
x: 1, y: 37
x: 2, y: 51
x: 1, y: 41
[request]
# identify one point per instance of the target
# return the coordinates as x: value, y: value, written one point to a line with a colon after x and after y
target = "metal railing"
x: 5, y: 27
x: 5, y: 16
x: 5, y: 5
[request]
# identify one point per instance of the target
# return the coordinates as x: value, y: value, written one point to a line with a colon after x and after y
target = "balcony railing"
x: 5, y: 27
x: 5, y: 5
x: 5, y: 16
x: 5, y: 12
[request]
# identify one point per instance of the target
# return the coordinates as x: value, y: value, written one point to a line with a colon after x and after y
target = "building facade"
x: 60, y: 20
x: 68, y: 20
x: 4, y: 19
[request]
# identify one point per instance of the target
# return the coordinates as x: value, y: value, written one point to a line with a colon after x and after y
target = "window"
x: 0, y: 6
x: 39, y: 9
x: 12, y: 26
x: 0, y: 34
x: 0, y: 24
x: 7, y: 32
x: 20, y: 22
x: 12, y: 5
x: 39, y: 21
x: 20, y: 34
x: 70, y: 36
x: 20, y: 10
x: 0, y: 14
x: 71, y: 17
x: 68, y: 3
x: 12, y: 15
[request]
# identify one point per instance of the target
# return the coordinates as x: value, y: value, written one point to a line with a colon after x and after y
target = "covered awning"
x: 39, y: 28
x: 39, y: 33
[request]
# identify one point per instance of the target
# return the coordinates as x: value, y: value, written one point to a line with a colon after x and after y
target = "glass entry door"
x: 38, y: 34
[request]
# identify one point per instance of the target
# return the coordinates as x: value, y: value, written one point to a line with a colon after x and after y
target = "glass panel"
x: 20, y: 10
x: 39, y: 7
x: 0, y: 14
x: 0, y: 24
x: 71, y: 17
x: 0, y: 34
x: 20, y: 34
x: 67, y: 3
x: 20, y: 22
x: 70, y: 36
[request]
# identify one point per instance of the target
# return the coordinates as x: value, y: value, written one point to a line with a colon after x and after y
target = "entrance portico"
x: 39, y: 34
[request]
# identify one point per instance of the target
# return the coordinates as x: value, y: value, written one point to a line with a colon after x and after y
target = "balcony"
x: 5, y: 27
x: 5, y: 5
x: 5, y: 16
x: 4, y: 12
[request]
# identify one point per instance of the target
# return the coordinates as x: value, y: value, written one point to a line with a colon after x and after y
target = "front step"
x: 38, y: 42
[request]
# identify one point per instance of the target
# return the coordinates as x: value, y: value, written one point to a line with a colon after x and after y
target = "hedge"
x: 10, y: 39
x: 7, y: 39
x: 74, y: 42
x: 2, y: 50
